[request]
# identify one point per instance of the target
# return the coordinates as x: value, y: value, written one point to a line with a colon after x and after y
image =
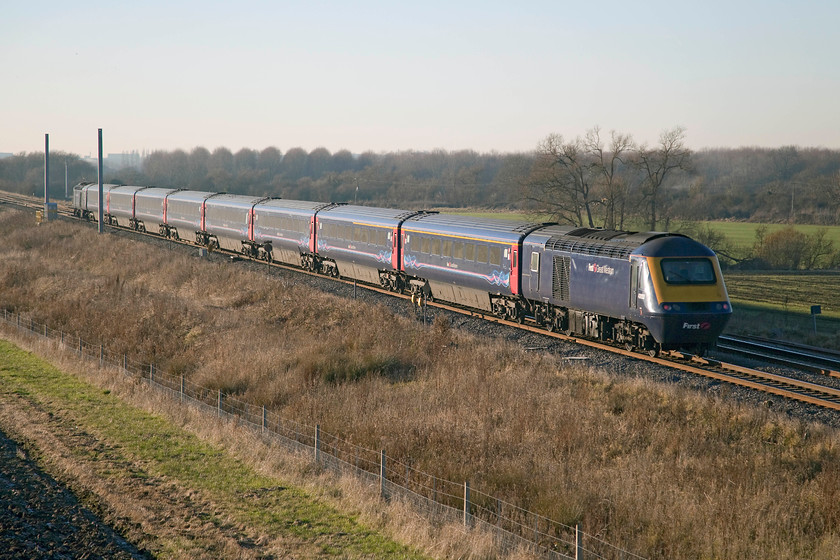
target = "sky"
x: 489, y: 76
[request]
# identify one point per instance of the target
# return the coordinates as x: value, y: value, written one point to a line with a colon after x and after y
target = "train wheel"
x: 653, y: 352
x: 628, y: 346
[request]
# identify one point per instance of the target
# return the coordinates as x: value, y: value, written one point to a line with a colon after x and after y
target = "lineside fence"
x: 441, y: 501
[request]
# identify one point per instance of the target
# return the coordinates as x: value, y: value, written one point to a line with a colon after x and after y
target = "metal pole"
x: 467, y: 503
x: 65, y: 179
x: 317, y: 443
x: 101, y: 216
x: 382, y: 474
x: 46, y: 170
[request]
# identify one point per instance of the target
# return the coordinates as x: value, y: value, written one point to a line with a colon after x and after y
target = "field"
x: 778, y: 305
x: 662, y: 470
x: 740, y: 234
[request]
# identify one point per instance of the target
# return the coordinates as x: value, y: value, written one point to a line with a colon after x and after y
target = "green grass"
x: 741, y: 234
x: 791, y: 292
x: 134, y: 437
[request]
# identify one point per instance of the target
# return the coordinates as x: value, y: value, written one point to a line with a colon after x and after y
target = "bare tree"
x: 560, y: 183
x: 658, y: 163
x: 606, y: 165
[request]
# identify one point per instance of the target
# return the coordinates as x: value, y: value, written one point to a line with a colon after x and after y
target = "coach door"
x: 637, y: 272
x: 534, y: 269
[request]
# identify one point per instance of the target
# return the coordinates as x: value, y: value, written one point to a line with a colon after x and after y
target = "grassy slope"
x: 129, y: 445
x: 659, y: 470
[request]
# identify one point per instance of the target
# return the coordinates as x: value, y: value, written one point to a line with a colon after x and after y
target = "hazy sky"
x: 389, y: 76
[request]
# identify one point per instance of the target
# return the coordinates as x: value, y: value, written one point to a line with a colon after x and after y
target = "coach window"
x: 436, y: 246
x: 535, y: 262
x: 481, y: 256
x: 425, y: 245
x: 447, y: 248
x: 496, y: 255
x: 469, y: 252
x: 458, y: 250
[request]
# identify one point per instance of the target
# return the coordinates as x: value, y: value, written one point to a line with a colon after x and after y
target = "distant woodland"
x: 598, y: 180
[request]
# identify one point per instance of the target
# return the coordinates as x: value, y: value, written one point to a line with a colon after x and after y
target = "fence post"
x: 220, y: 403
x: 382, y: 474
x: 80, y: 346
x: 317, y: 443
x: 101, y: 355
x: 578, y: 543
x: 263, y: 418
x: 467, y: 503
x: 181, y: 394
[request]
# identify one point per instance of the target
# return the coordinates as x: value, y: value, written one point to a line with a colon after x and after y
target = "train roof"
x: 618, y: 244
x: 293, y: 206
x: 193, y: 196
x: 366, y: 215
x: 234, y: 200
x: 490, y: 229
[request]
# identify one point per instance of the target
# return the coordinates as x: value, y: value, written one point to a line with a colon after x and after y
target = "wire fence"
x: 439, y: 500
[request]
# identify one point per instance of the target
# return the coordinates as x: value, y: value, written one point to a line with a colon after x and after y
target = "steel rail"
x: 767, y: 351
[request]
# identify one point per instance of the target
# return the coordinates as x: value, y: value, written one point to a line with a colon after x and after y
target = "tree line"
x: 595, y: 180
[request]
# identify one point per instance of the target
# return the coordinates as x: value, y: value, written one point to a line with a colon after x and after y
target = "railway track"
x: 788, y: 387
x: 806, y: 358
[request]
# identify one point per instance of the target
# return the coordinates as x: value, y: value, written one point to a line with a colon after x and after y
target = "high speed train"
x: 648, y: 291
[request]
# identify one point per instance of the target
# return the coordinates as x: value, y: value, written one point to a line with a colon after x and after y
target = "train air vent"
x: 560, y: 278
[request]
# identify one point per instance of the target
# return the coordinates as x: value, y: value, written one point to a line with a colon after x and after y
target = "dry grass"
x: 657, y: 470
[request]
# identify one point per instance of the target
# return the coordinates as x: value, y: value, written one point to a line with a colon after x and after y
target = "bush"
x: 790, y: 249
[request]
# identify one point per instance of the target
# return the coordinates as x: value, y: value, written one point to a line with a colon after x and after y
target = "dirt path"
x: 41, y: 518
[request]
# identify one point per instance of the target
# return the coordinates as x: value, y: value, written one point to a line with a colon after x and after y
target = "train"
x: 646, y: 291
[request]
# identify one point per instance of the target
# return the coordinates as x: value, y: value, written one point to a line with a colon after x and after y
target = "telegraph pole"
x: 46, y: 171
x: 101, y: 216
